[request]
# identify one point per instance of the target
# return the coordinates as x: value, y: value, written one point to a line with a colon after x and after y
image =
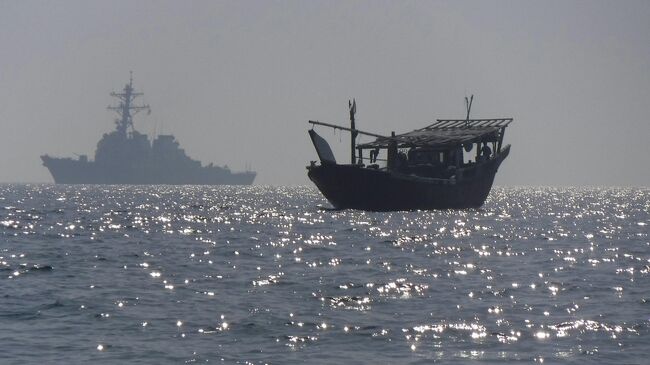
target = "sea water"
x: 257, y: 275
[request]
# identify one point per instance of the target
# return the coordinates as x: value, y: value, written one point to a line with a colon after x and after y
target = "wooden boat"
x: 449, y: 164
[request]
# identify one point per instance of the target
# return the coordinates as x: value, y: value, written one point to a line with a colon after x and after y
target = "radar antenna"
x: 125, y: 107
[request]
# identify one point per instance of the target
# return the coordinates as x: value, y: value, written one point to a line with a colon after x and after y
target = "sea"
x: 272, y: 275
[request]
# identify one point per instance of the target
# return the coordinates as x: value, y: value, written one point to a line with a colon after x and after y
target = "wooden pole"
x: 503, y: 131
x: 353, y: 131
x: 392, y: 153
x: 468, y: 103
x: 315, y: 122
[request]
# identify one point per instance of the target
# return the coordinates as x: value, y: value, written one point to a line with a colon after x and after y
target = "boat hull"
x: 69, y: 171
x: 355, y: 187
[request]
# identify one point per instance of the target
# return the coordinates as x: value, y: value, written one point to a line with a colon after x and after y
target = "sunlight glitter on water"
x: 564, y: 271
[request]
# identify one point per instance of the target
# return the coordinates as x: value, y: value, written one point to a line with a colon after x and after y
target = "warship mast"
x: 125, y: 108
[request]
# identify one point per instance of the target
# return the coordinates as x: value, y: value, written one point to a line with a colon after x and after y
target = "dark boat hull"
x: 69, y: 171
x: 355, y: 187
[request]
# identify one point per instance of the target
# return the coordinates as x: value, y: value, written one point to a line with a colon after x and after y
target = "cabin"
x: 437, y: 150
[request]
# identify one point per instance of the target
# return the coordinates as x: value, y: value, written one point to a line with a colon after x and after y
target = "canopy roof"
x: 445, y: 133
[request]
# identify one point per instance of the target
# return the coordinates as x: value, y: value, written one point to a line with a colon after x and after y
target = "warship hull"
x: 70, y: 171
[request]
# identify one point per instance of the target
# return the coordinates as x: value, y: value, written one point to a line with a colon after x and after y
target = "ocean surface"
x: 269, y: 275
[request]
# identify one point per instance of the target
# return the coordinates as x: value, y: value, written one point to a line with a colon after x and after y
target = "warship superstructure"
x: 126, y: 156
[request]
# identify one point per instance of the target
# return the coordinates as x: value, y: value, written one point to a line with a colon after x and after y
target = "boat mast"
x: 468, y: 106
x: 353, y: 131
x: 125, y: 107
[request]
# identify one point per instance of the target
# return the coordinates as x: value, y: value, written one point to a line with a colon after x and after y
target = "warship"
x: 126, y: 156
x: 428, y: 168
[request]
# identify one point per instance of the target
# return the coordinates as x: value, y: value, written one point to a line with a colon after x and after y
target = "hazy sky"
x: 236, y: 82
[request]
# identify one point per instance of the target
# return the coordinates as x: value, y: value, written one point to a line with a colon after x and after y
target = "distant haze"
x: 236, y: 82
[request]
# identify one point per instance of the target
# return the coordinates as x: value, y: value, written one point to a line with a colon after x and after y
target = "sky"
x: 237, y: 81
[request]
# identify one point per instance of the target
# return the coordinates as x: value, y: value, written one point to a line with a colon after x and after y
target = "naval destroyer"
x: 126, y: 156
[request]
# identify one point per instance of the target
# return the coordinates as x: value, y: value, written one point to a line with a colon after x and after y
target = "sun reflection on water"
x: 258, y: 272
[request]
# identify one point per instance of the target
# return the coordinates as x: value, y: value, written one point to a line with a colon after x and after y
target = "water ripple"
x: 109, y: 274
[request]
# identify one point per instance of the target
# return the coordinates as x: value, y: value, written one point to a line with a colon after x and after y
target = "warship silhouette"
x: 126, y: 156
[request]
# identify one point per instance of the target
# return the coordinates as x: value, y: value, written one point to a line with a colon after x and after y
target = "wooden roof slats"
x: 434, y: 137
x: 462, y: 123
x: 445, y: 123
x: 445, y: 132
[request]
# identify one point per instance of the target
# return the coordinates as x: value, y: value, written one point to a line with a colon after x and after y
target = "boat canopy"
x: 445, y: 133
